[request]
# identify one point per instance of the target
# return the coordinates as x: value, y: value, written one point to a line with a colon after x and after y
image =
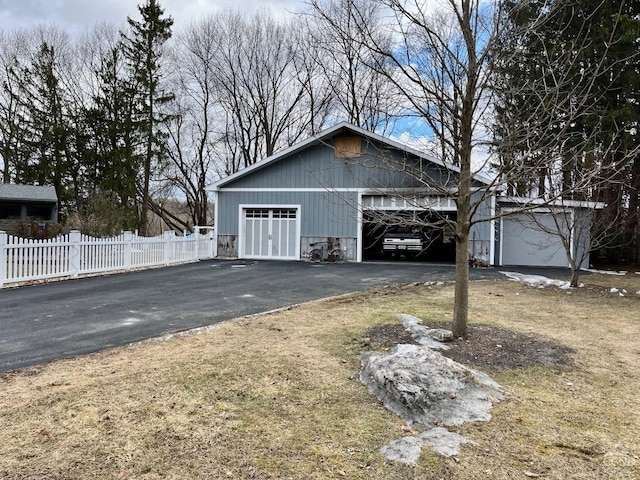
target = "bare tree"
x: 444, y: 62
x: 194, y: 128
x: 438, y: 63
x: 258, y: 87
x: 362, y: 96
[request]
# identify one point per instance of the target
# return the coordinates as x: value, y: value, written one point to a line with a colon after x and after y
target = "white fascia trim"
x: 492, y: 233
x: 303, y: 190
x: 215, y: 225
x: 559, y: 202
x: 544, y: 209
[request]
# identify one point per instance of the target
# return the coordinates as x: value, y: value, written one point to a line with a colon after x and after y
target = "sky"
x: 75, y: 16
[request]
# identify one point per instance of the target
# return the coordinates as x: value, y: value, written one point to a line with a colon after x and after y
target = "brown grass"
x: 278, y: 396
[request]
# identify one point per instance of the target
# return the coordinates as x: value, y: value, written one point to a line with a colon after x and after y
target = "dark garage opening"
x: 439, y: 245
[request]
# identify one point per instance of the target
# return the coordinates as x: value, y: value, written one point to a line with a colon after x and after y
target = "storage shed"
x: 540, y: 234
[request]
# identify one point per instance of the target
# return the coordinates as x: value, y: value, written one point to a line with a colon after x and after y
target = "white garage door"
x: 270, y: 233
x: 528, y: 242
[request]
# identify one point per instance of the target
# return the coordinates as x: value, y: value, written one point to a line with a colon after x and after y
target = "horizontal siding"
x: 324, y: 214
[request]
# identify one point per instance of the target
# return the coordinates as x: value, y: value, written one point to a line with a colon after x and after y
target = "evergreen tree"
x: 567, y: 90
x: 143, y: 50
x: 112, y: 158
x: 46, y: 128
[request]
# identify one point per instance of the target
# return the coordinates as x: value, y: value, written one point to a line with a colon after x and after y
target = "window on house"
x: 39, y: 212
x: 10, y: 211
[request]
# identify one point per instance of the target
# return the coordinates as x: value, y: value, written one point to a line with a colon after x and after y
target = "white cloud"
x: 75, y: 16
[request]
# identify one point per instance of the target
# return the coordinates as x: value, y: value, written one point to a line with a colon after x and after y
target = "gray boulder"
x: 427, y: 389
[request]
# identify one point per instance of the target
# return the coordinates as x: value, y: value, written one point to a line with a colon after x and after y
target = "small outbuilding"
x: 19, y: 203
x: 339, y: 187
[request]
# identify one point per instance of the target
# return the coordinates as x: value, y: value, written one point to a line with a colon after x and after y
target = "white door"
x: 270, y: 233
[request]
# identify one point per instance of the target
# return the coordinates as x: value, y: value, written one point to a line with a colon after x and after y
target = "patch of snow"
x: 605, y: 272
x: 420, y: 333
x: 614, y: 290
x: 537, y: 280
x: 407, y: 450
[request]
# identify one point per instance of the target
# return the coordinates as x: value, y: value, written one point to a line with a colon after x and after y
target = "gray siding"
x: 583, y: 236
x: 480, y: 233
x: 316, y: 167
x: 532, y: 242
x: 324, y: 214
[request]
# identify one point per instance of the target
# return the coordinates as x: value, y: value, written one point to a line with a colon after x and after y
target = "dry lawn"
x: 278, y: 396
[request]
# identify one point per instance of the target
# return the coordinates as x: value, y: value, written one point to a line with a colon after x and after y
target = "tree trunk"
x: 575, y: 275
x: 461, y: 300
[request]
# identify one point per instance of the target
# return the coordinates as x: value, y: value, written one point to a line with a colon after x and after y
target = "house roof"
x: 324, y: 136
x: 28, y: 193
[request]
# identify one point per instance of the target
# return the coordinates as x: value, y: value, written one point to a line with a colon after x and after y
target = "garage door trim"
x: 268, y: 234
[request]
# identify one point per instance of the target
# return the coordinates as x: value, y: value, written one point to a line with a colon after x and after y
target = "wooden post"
x: 74, y: 252
x: 3, y: 257
x: 128, y: 249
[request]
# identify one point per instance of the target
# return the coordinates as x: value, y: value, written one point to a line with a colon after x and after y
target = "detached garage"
x: 340, y: 187
x: 333, y: 188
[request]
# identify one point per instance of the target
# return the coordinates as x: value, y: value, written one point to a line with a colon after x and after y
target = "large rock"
x: 428, y: 389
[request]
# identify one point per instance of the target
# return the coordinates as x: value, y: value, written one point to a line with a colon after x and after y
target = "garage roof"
x: 324, y: 136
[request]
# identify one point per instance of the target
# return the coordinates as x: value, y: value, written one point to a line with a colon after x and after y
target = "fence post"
x: 3, y: 257
x: 167, y: 246
x: 127, y: 237
x: 196, y: 234
x: 74, y: 252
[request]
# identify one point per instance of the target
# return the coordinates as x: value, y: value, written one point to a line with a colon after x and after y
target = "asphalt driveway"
x: 68, y: 318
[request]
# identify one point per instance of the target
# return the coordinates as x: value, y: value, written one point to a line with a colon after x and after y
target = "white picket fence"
x: 23, y: 260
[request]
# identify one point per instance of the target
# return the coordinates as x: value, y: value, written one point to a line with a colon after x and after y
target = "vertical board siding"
x: 23, y: 260
x: 323, y: 213
x: 317, y: 167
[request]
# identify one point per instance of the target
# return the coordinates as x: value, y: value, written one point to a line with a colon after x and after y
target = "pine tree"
x: 47, y: 131
x: 567, y: 90
x: 112, y: 159
x: 143, y: 50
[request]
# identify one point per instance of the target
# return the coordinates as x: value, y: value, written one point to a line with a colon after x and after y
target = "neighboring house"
x: 335, y: 187
x: 26, y: 202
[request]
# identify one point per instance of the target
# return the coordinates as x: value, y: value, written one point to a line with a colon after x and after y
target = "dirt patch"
x: 487, y: 347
